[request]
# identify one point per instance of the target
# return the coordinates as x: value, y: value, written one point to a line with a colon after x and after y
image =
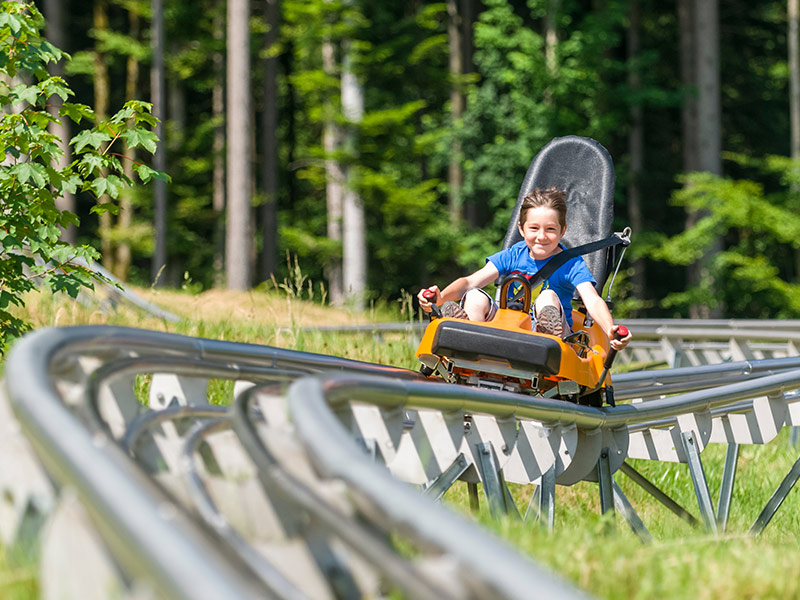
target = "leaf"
x: 140, y: 138
x: 76, y: 112
x: 90, y: 164
x: 39, y: 174
x: 89, y: 137
x: 65, y: 282
x: 105, y: 207
x: 26, y: 93
x: 146, y: 174
x: 72, y: 183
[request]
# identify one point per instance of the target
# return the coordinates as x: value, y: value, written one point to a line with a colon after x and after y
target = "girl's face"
x: 542, y: 231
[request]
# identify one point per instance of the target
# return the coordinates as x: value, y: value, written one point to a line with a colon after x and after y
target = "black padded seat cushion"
x: 470, y: 341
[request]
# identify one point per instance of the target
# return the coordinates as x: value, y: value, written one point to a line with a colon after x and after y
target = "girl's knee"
x: 477, y: 304
x: 547, y: 298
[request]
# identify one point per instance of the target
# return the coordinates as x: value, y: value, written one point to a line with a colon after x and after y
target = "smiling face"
x: 542, y: 230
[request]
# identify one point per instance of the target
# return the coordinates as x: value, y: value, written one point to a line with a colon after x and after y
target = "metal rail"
x: 164, y: 481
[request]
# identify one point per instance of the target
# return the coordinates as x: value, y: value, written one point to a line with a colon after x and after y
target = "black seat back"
x: 584, y: 170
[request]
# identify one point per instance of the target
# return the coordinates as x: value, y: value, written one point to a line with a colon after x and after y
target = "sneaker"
x: 453, y: 310
x: 549, y: 321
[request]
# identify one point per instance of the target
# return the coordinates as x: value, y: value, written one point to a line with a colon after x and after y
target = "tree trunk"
x: 709, y: 137
x: 551, y: 43
x: 54, y: 13
x: 218, y: 177
x: 237, y: 242
x: 467, y: 46
x: 160, y: 158
x: 635, y: 146
x: 794, y: 78
x: 708, y: 87
x: 471, y: 207
x: 794, y: 101
x: 688, y: 52
x: 334, y: 180
x: 125, y: 217
x: 454, y: 172
x: 269, y: 223
x: 354, y: 249
x: 101, y: 93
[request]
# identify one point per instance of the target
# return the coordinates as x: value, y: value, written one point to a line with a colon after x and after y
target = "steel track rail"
x: 184, y: 559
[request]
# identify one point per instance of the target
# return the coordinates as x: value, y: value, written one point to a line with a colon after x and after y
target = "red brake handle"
x: 621, y: 332
x: 429, y: 294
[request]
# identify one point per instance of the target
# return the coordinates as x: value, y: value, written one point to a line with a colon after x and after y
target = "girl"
x: 542, y: 224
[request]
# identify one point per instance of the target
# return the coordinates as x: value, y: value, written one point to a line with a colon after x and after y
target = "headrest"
x: 582, y: 168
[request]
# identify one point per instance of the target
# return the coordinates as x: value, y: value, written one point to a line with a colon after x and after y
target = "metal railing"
x: 87, y: 426
x: 318, y: 448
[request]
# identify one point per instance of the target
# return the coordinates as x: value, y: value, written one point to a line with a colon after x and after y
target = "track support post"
x: 604, y: 482
x: 542, y: 504
x: 774, y: 503
x: 699, y: 480
x: 627, y: 511
x: 658, y: 494
x: 494, y: 486
x: 726, y: 489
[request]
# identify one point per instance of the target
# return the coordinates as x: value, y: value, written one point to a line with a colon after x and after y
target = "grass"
x: 599, y: 555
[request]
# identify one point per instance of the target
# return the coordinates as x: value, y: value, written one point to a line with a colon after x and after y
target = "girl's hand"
x: 619, y: 343
x: 433, y: 297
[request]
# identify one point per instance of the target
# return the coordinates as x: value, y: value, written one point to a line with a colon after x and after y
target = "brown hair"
x: 552, y: 198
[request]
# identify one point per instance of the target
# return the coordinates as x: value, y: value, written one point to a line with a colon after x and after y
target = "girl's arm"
x: 456, y: 290
x: 598, y: 310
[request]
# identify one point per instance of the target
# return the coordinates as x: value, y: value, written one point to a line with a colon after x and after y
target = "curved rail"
x: 164, y: 479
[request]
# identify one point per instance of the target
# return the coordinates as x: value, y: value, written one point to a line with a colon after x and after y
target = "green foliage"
x: 521, y: 102
x: 751, y: 276
x: 30, y: 181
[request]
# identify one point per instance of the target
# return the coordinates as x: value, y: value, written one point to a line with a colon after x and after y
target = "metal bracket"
x: 438, y: 487
x: 563, y: 388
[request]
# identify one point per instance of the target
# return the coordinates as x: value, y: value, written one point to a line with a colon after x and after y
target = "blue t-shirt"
x: 563, y: 282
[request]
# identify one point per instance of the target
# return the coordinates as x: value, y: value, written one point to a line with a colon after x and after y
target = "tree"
x: 335, y: 176
x: 636, y: 143
x: 794, y: 76
x: 454, y: 174
x: 709, y: 138
x: 55, y: 28
x: 31, y: 181
x: 354, y: 241
x: 158, y: 98
x: 218, y: 150
x: 270, y: 166
x: 239, y: 169
x: 101, y: 104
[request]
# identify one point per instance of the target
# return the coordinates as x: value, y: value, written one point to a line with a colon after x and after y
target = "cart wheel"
x: 594, y: 399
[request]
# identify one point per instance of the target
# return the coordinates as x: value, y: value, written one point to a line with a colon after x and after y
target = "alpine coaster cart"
x: 505, y: 353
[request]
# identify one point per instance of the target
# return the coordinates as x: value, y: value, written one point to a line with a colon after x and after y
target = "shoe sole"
x: 549, y: 321
x: 453, y: 310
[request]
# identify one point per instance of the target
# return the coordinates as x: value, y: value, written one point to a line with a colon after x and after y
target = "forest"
x: 380, y: 146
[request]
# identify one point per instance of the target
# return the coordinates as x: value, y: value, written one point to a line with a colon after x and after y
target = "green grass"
x: 602, y: 555
x: 599, y: 555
